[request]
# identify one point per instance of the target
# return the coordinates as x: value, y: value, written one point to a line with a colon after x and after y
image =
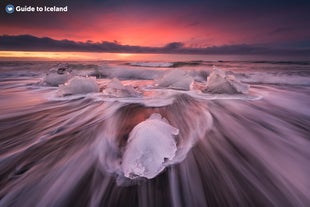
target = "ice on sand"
x: 57, y: 76
x: 221, y: 82
x: 79, y: 85
x: 175, y: 79
x: 151, y: 143
x: 115, y: 88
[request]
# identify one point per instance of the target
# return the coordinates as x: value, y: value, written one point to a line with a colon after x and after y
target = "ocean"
x: 155, y: 130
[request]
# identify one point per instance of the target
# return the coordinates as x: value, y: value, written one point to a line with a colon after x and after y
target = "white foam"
x: 275, y: 78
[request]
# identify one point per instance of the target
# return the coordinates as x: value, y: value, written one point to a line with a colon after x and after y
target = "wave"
x: 276, y: 78
x: 152, y: 64
x: 165, y: 64
x: 283, y: 62
x: 228, y: 151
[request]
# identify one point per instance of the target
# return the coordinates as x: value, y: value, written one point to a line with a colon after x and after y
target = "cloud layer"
x: 32, y: 43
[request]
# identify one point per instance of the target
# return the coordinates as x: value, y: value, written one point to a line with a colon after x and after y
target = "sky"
x: 185, y: 26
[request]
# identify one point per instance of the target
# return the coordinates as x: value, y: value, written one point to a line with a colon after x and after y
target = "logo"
x: 9, y: 8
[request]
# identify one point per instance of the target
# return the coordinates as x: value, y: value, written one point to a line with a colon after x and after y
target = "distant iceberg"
x: 175, y: 79
x: 151, y: 143
x: 220, y: 81
x: 79, y: 85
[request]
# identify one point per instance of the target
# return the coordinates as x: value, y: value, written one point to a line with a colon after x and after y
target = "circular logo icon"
x: 9, y: 8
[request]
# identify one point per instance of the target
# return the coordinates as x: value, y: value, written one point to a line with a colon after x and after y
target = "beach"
x: 194, y: 132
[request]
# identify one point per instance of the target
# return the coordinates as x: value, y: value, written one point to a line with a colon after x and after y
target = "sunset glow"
x: 24, y: 55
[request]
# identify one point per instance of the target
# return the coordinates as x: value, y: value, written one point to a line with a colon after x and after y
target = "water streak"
x: 231, y: 150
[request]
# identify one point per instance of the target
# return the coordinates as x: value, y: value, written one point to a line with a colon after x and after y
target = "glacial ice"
x: 79, y: 85
x: 151, y: 143
x: 57, y: 76
x: 115, y: 88
x: 221, y: 82
x: 176, y: 79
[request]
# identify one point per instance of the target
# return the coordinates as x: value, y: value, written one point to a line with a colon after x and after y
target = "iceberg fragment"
x: 176, y: 79
x: 57, y: 76
x: 79, y: 85
x: 220, y: 81
x: 115, y: 88
x: 151, y: 143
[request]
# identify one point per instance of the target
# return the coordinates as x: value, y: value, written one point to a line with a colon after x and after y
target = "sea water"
x: 123, y: 138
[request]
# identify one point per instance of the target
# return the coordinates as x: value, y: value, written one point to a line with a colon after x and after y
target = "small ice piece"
x: 115, y: 88
x: 176, y: 79
x: 57, y: 76
x: 79, y: 85
x: 151, y: 143
x: 221, y: 82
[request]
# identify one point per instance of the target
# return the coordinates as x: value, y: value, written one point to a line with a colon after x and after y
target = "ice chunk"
x: 115, y: 88
x: 116, y: 84
x: 176, y: 79
x: 151, y: 143
x: 221, y: 82
x: 79, y: 85
x: 57, y: 76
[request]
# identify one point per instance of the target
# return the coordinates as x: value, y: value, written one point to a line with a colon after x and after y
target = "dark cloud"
x: 174, y: 45
x: 281, y: 30
x: 32, y: 43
